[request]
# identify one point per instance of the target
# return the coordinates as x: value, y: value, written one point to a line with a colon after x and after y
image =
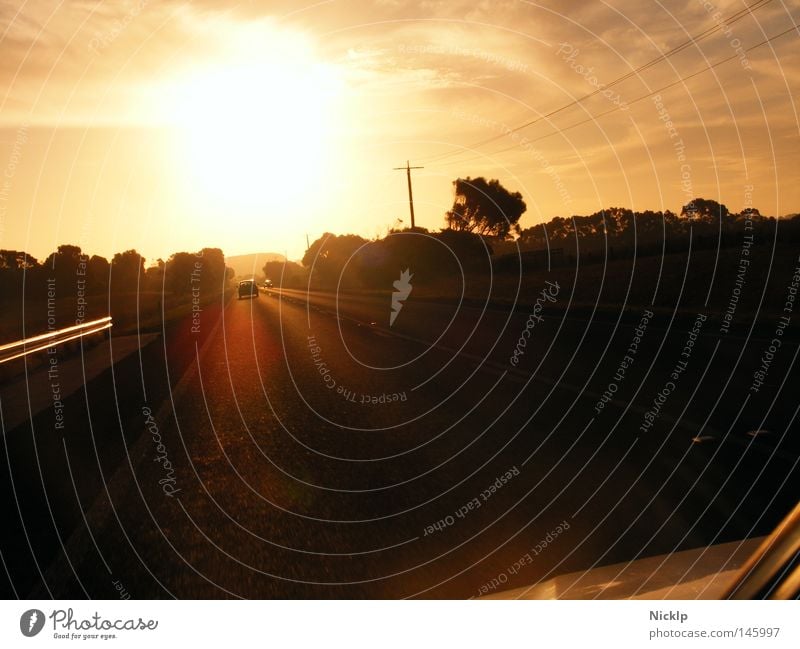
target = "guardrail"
x: 20, y: 348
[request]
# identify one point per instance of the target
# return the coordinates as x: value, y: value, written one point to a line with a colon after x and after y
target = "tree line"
x: 483, y: 222
x: 711, y: 224
x: 69, y: 272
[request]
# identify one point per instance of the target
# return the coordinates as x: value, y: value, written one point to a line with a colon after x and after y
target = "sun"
x: 255, y: 131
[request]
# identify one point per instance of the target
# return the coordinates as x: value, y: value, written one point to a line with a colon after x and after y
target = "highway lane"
x: 584, y: 351
x: 308, y: 452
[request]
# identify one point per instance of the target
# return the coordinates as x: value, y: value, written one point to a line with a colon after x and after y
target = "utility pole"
x: 408, y: 169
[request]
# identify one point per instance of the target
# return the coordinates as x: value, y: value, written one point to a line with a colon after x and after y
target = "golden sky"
x: 167, y: 126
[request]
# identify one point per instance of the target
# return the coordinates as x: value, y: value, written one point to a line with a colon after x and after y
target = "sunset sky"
x: 167, y: 126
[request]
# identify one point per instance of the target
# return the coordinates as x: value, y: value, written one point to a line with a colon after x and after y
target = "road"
x: 298, y: 446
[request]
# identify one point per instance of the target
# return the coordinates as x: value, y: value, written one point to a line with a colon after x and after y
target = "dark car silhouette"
x: 248, y: 288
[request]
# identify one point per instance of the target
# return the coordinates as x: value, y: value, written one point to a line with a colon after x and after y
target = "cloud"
x: 405, y: 67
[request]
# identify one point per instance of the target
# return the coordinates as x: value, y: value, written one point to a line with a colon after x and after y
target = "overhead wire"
x: 721, y: 23
x: 615, y: 108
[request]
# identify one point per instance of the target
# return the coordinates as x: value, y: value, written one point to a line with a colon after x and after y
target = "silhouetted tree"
x: 127, y: 271
x: 704, y: 210
x: 16, y: 260
x: 64, y: 261
x: 154, y: 275
x: 212, y: 270
x: 750, y: 212
x: 287, y: 274
x: 15, y: 265
x: 58, y: 274
x: 178, y: 272
x: 327, y: 256
x: 485, y: 208
x: 203, y: 271
x: 97, y: 273
x: 469, y: 248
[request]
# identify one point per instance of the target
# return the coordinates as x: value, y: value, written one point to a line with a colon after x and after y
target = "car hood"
x: 702, y: 573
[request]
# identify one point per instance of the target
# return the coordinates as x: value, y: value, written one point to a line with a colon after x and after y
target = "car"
x: 267, y: 283
x: 248, y: 288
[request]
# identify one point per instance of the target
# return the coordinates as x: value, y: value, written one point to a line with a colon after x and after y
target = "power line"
x: 616, y: 108
x: 661, y: 57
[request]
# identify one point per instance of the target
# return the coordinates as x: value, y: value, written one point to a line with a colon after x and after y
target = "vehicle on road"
x: 248, y: 288
x: 267, y: 283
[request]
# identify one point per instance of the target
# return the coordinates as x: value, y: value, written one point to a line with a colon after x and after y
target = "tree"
x: 286, y: 274
x: 212, y: 275
x: 485, y: 208
x: 14, y: 265
x: 534, y: 236
x: 59, y: 273
x: 127, y: 271
x: 329, y: 254
x: 64, y: 262
x: 752, y: 213
x: 15, y: 260
x: 97, y: 273
x: 195, y: 272
x: 179, y: 270
x: 704, y: 209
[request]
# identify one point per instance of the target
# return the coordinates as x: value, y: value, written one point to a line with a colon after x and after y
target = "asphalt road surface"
x: 299, y: 446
